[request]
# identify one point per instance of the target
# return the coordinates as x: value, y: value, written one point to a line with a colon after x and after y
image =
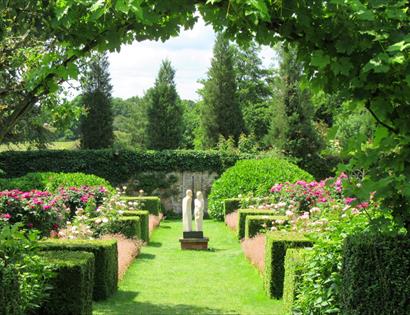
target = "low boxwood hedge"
x: 231, y: 205
x: 106, y: 261
x: 150, y: 203
x: 294, y: 260
x: 129, y: 226
x: 144, y: 217
x: 375, y: 275
x: 243, y: 213
x: 9, y: 291
x: 72, y: 283
x: 255, y: 223
x: 277, y: 243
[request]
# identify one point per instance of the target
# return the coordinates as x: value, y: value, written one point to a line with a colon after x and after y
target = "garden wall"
x: 167, y: 174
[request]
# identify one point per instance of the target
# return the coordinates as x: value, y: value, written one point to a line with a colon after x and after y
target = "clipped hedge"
x: 9, y: 291
x: 144, y: 217
x: 150, y: 203
x: 231, y: 205
x: 116, y: 166
x: 243, y: 213
x: 52, y: 181
x: 275, y: 250
x: 375, y: 275
x: 252, y: 176
x: 294, y: 261
x: 106, y: 261
x: 72, y: 283
x: 255, y: 223
x: 128, y: 226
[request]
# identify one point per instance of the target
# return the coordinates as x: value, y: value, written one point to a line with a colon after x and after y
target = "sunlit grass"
x: 58, y: 145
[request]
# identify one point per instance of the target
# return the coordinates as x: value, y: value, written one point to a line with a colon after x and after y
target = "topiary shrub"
x: 9, y: 291
x: 243, y: 213
x: 294, y: 262
x: 251, y: 176
x: 72, y: 283
x: 144, y: 219
x: 129, y: 226
x: 106, y: 261
x: 231, y: 205
x: 375, y: 275
x: 275, y: 250
x: 254, y: 224
x: 150, y: 203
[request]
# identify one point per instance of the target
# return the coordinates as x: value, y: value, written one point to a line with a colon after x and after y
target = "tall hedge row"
x: 113, y: 165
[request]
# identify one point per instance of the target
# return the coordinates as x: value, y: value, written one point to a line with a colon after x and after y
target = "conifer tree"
x: 220, y: 112
x: 164, y: 111
x: 96, y: 126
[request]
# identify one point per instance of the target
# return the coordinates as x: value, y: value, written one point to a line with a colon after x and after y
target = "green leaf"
x: 122, y: 6
x: 380, y: 134
x: 399, y: 46
x: 319, y: 60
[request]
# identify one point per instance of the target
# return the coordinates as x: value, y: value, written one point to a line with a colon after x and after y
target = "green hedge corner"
x: 376, y: 275
x: 277, y: 243
x: 256, y: 223
x: 144, y: 221
x: 129, y: 226
x: 294, y: 261
x: 149, y: 203
x: 106, y: 261
x: 72, y: 283
x: 231, y: 205
x: 243, y: 213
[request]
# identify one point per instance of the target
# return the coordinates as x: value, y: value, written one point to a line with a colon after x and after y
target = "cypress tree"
x: 220, y: 113
x: 96, y: 126
x: 164, y: 111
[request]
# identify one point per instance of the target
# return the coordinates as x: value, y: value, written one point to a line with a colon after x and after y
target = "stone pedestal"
x: 194, y: 240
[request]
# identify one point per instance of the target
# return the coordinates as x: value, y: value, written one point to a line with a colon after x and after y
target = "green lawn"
x: 166, y: 280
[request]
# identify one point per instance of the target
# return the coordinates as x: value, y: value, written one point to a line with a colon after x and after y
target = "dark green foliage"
x: 106, y: 261
x: 243, y: 213
x: 257, y: 223
x: 129, y: 226
x: 115, y: 166
x: 252, y: 176
x: 144, y: 221
x: 52, y: 181
x: 9, y: 291
x: 96, y: 127
x: 220, y: 111
x: 294, y: 262
x: 72, y: 283
x: 375, y: 275
x: 321, y: 167
x: 164, y: 112
x: 150, y: 203
x: 275, y: 250
x: 231, y: 205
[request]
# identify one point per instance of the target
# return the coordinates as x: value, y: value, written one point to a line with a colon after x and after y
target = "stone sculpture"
x: 186, y: 211
x: 199, y: 210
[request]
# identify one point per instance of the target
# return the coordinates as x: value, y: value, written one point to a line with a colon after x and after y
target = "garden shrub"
x: 231, y: 205
x: 52, y: 181
x: 243, y: 213
x: 116, y: 166
x: 294, y: 262
x: 106, y: 261
x: 150, y: 203
x: 144, y: 221
x: 128, y: 226
x: 10, y: 297
x: 254, y: 224
x: 72, y: 283
x: 375, y: 275
x: 277, y: 243
x: 251, y: 176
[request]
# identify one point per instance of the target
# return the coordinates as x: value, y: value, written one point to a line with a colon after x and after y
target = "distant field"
x: 59, y: 145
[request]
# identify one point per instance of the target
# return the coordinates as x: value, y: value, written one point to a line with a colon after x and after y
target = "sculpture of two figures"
x: 187, y: 211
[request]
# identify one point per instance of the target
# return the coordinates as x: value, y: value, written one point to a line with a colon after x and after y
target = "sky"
x: 134, y: 69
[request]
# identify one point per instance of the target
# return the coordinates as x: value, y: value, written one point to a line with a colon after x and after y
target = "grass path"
x: 166, y: 280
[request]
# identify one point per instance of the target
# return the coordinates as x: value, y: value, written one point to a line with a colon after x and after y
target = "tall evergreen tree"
x: 164, y: 111
x: 292, y: 128
x: 96, y: 126
x: 220, y: 112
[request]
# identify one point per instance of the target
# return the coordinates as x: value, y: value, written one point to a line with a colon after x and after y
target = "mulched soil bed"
x: 254, y: 250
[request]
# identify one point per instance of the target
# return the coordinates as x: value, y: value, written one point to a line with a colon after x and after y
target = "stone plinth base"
x: 194, y: 243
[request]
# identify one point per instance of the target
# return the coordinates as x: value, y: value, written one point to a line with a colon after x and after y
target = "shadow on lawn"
x: 122, y: 303
x: 146, y: 256
x: 154, y: 244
